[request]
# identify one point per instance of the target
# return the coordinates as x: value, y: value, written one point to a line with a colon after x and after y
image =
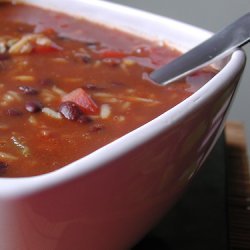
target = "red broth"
x: 69, y: 86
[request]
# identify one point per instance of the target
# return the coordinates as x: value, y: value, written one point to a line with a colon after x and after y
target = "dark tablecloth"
x: 198, y: 221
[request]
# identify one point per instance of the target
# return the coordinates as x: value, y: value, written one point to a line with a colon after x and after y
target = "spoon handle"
x: 221, y: 44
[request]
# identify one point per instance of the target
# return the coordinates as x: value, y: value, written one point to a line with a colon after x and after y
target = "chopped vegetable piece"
x: 3, y: 126
x: 105, y: 111
x: 112, y: 54
x: 47, y: 95
x: 9, y: 97
x: 33, y: 120
x: 81, y: 98
x: 20, y: 144
x: 29, y: 43
x: 51, y: 113
x: 45, y: 49
x: 7, y: 156
x: 25, y: 78
x: 58, y: 90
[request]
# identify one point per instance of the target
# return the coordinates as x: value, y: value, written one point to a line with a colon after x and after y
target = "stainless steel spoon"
x: 219, y: 45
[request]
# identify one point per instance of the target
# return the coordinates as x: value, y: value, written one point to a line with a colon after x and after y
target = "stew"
x: 69, y: 86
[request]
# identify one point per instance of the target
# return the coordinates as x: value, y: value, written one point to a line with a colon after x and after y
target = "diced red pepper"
x: 112, y: 54
x: 83, y: 100
x: 46, y: 49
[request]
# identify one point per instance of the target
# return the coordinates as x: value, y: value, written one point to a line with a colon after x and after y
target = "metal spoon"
x: 219, y: 45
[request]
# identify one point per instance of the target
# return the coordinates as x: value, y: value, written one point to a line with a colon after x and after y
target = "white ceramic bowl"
x: 112, y: 197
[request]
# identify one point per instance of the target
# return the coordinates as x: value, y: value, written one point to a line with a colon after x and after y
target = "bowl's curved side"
x: 112, y: 207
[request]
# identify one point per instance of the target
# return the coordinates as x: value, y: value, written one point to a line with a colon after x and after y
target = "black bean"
x: 33, y: 106
x: 86, y: 58
x: 27, y: 90
x: 3, y: 167
x: 70, y: 111
x: 14, y: 112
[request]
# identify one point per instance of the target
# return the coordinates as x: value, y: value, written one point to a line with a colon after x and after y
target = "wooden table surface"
x: 238, y: 186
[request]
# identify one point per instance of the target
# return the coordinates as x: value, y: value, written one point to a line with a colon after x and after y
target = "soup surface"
x: 69, y: 86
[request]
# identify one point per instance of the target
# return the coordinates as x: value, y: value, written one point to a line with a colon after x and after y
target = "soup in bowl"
x: 93, y: 153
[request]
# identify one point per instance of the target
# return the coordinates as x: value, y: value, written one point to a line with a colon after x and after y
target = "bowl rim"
x: 12, y: 188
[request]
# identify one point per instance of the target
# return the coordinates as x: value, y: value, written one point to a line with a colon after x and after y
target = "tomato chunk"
x: 83, y: 100
x: 46, y: 48
x: 112, y: 54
